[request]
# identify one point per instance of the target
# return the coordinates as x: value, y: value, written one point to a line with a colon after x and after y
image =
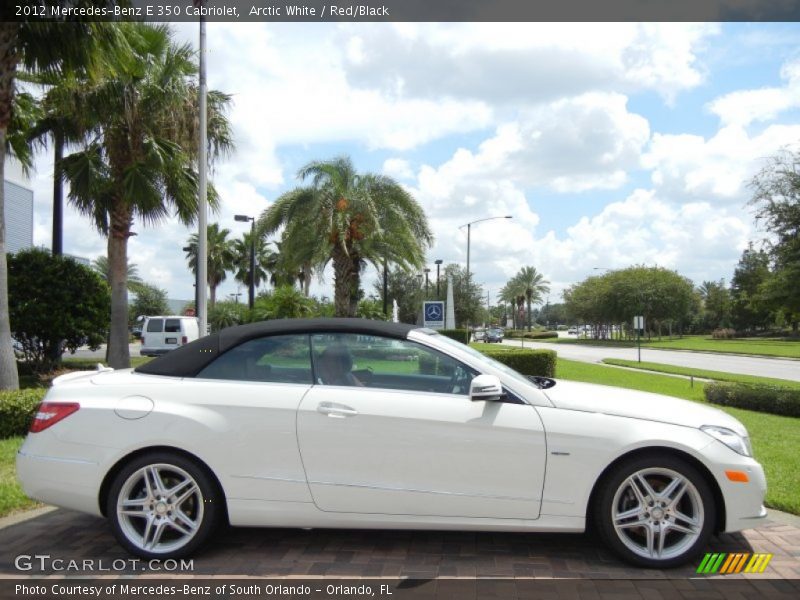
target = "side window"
x: 172, y: 326
x: 377, y: 362
x: 155, y: 325
x: 278, y: 359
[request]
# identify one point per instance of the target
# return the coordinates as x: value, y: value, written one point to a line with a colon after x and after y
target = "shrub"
x: 723, y: 334
x: 459, y: 335
x: 762, y: 398
x: 55, y: 303
x: 526, y: 361
x: 540, y: 335
x: 17, y: 408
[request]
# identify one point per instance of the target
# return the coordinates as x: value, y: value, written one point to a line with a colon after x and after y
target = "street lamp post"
x: 427, y: 270
x: 196, y: 279
x: 438, y: 262
x: 251, y: 293
x: 469, y: 233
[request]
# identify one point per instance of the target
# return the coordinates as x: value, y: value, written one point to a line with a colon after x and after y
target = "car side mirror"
x: 485, y: 387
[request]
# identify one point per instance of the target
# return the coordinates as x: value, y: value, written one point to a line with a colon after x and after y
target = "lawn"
x: 702, y: 373
x: 776, y: 440
x: 11, y: 497
x: 779, y: 347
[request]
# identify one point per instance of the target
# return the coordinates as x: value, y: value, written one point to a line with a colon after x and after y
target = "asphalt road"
x: 746, y: 365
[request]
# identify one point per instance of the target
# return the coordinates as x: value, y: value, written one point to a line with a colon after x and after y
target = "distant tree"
x: 750, y: 309
x: 241, y: 260
x: 716, y: 304
x: 55, y: 304
x: 372, y: 308
x: 661, y: 296
x: 220, y: 257
x: 776, y: 196
x: 150, y: 300
x: 528, y: 286
x: 554, y: 314
x: 404, y: 287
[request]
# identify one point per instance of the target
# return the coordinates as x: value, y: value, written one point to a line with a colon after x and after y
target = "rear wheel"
x: 163, y: 505
x: 655, y: 511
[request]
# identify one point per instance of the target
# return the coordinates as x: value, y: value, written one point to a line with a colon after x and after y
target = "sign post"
x: 638, y: 325
x: 433, y: 314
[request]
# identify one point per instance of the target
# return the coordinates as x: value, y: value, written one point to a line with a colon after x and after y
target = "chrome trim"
x: 443, y: 493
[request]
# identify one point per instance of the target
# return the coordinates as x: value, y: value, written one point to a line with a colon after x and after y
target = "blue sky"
x: 611, y: 144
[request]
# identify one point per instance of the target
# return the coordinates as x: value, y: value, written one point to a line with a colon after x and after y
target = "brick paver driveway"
x: 67, y: 535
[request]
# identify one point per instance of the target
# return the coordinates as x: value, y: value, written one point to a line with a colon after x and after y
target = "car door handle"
x: 336, y: 410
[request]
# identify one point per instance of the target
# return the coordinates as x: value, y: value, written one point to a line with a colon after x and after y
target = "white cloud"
x: 765, y: 104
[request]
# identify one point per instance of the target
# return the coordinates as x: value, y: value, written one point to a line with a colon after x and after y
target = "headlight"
x: 734, y: 441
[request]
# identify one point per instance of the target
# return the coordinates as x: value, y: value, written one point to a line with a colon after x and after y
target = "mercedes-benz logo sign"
x: 434, y: 312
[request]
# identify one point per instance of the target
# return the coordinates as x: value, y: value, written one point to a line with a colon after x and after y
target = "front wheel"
x: 162, y: 505
x: 655, y: 511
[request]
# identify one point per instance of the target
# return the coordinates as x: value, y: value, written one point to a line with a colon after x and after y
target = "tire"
x: 655, y: 511
x: 163, y: 505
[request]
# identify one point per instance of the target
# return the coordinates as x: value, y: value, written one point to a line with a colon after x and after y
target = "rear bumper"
x: 69, y: 483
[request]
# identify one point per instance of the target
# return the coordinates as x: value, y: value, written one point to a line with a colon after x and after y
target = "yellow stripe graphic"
x: 767, y: 558
x: 750, y: 565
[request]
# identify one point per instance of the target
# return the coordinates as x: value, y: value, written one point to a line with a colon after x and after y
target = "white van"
x: 164, y: 333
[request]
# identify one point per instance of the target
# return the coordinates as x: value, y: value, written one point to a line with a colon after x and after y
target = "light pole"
x: 438, y: 262
x: 196, y: 278
x: 469, y: 233
x: 251, y: 293
x: 427, y: 270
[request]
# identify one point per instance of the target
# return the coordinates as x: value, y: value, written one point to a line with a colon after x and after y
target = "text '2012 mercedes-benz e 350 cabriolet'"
x: 365, y: 424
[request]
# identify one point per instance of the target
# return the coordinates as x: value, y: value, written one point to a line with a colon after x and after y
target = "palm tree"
x: 64, y: 124
x: 528, y: 285
x: 241, y: 259
x: 140, y: 162
x: 101, y: 266
x: 221, y: 257
x: 350, y: 220
x: 35, y: 46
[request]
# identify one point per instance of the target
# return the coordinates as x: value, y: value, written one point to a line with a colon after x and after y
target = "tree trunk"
x: 212, y: 291
x: 9, y: 379
x: 118, y: 354
x: 9, y: 57
x: 58, y: 195
x: 344, y: 279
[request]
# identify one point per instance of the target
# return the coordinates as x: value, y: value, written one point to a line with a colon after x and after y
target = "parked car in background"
x: 493, y: 336
x: 305, y: 423
x: 160, y: 334
x: 478, y: 335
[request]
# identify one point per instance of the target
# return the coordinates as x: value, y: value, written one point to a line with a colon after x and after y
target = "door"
x: 404, y: 438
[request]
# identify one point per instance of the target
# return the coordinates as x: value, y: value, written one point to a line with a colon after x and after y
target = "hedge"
x: 17, y: 408
x: 524, y: 360
x: 459, y: 335
x: 762, y: 398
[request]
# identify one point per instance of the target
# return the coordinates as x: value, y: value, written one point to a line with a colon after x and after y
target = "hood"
x: 589, y: 397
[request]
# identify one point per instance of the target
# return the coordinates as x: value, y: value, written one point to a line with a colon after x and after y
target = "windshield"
x: 480, y: 355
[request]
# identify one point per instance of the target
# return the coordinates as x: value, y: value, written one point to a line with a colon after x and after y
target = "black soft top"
x: 189, y: 360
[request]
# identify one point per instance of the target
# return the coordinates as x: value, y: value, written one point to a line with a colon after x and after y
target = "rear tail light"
x: 50, y: 413
x: 184, y: 340
x: 144, y: 343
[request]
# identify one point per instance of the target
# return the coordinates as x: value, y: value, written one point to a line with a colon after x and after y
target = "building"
x: 18, y: 208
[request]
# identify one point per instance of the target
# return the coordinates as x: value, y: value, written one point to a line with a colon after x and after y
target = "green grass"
x: 703, y: 373
x: 776, y: 440
x: 12, y: 499
x: 778, y: 347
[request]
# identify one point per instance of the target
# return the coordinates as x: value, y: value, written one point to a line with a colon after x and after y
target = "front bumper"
x: 744, y: 501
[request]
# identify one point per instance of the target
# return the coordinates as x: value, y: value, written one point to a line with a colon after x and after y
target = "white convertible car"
x: 355, y: 423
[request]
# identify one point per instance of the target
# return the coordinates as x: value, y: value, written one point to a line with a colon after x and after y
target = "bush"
x: 55, y: 303
x: 540, y: 335
x: 723, y: 334
x: 459, y: 335
x: 17, y: 408
x: 527, y: 362
x: 762, y: 398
